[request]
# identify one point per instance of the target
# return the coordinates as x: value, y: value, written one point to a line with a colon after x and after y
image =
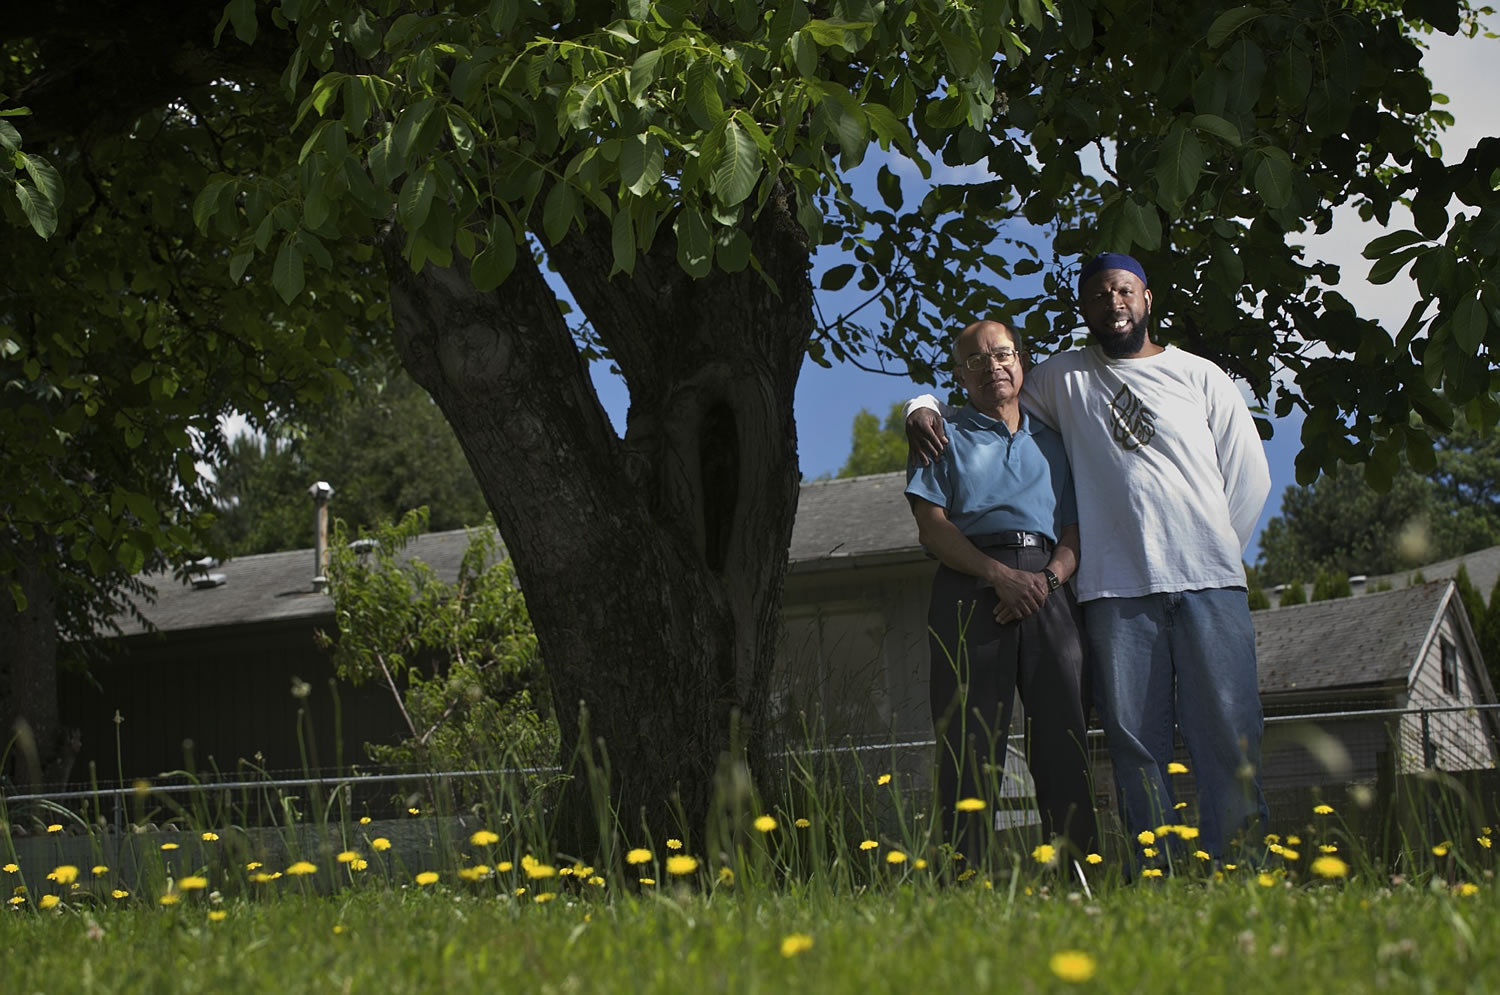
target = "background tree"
x: 385, y: 448
x: 678, y: 165
x: 1342, y: 524
x: 876, y: 448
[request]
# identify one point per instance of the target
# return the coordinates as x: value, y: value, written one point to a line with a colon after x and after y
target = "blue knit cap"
x: 1110, y: 260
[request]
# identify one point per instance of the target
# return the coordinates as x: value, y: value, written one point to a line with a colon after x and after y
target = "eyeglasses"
x: 982, y: 360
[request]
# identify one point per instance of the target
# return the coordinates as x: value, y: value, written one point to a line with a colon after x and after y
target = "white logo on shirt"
x: 1134, y: 423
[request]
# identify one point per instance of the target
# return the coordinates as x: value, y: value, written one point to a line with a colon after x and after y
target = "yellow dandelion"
x: 796, y: 943
x: 681, y: 864
x: 1322, y: 810
x: 519, y: 892
x: 920, y: 863
x: 504, y: 867
x: 484, y: 838
x: 98, y: 870
x: 364, y: 820
x: 48, y: 902
x: 1290, y: 854
x: 566, y: 872
x: 895, y: 857
x: 536, y: 871
x: 1179, y: 806
x: 119, y: 893
x: 970, y: 805
x: 170, y: 898
x: 16, y: 900
x: 1176, y: 768
x: 1187, y: 832
x: 674, y: 844
x: 413, y: 811
x: 639, y: 855
x: 1151, y: 872
x: 254, y: 865
x: 1441, y: 850
x: 380, y: 844
x: 1329, y: 867
x: 802, y: 823
x: 359, y: 864
x: 1272, y: 838
x: 582, y: 870
x: 348, y: 856
x: 1484, y: 841
x: 648, y: 882
x: 765, y: 823
x: 883, y: 779
x: 1145, y: 837
x: 64, y: 874
x: 967, y: 874
x: 10, y: 868
x: 1294, y: 840
x: 210, y: 837
x: 56, y: 827
x: 726, y: 875
x: 545, y: 896
x: 169, y: 846
x: 1487, y: 831
x: 1265, y: 880
x: 1094, y: 858
x: 1277, y: 848
x: 596, y: 881
x: 1468, y: 889
x: 1073, y: 966
x: 261, y: 877
x: 426, y: 878
x: 217, y: 915
x: 868, y: 844
x: 1046, y: 853
x: 338, y: 928
x: 1202, y: 855
x: 192, y: 883
x: 301, y: 868
x: 1149, y: 851
x: 1328, y: 848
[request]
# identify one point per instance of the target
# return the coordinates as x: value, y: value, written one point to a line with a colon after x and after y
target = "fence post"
x: 1429, y: 748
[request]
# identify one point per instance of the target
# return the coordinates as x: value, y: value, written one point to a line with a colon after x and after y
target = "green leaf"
x: 415, y: 199
x: 704, y: 103
x: 363, y: 36
x: 837, y: 277
x: 1387, y: 243
x: 206, y: 205
x: 1273, y: 180
x: 642, y: 75
x: 1141, y: 224
x: 641, y: 160
x: 405, y: 133
x: 38, y: 210
x: 494, y: 264
x: 735, y: 174
x: 1178, y: 167
x: 732, y: 250
x: 10, y: 138
x: 1214, y: 125
x: 242, y: 16
x: 889, y: 186
x: 695, y: 247
x: 558, y: 211
x: 1229, y: 22
x: 1469, y: 324
x: 1386, y: 268
x: 622, y: 241
x: 286, y: 273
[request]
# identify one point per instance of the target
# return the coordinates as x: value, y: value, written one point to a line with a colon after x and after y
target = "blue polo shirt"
x: 990, y: 480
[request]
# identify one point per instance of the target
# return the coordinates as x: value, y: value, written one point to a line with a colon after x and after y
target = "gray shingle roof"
x: 853, y: 516
x: 1370, y: 640
x: 1483, y: 566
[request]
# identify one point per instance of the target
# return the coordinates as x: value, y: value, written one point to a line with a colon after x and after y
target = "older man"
x: 1171, y: 479
x: 997, y: 510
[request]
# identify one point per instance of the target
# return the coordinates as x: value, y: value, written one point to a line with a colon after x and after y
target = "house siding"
x: 1459, y: 740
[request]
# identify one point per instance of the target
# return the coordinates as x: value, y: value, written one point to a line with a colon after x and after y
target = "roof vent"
x: 364, y: 546
x: 204, y: 581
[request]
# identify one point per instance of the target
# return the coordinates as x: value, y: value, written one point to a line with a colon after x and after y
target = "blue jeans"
x: 1183, y: 659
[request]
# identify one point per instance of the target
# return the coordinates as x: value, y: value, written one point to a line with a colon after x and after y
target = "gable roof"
x: 1483, y: 566
x: 1369, y: 641
x: 838, y: 520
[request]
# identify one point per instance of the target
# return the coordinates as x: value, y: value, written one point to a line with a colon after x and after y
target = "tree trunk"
x: 653, y: 565
x: 28, y: 671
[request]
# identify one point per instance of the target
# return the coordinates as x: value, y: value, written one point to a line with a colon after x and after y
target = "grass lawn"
x: 1170, y: 935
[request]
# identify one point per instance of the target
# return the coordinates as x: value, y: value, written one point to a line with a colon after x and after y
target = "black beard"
x: 1123, y: 346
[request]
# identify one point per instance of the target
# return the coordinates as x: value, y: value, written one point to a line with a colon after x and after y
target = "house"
x: 222, y: 668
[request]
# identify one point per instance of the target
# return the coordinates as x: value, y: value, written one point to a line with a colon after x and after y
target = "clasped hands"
x: 1021, y: 592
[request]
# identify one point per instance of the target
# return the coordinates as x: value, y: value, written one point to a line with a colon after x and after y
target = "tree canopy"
x: 250, y: 204
x: 876, y: 448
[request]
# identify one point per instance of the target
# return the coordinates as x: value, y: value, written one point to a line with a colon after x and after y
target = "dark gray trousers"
x: 977, y: 666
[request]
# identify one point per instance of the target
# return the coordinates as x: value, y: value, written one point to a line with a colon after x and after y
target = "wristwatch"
x: 1052, y: 582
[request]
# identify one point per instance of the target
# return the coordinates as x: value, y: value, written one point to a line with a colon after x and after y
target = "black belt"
x: 1013, y: 540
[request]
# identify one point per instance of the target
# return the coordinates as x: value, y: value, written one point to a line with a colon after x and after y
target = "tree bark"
x: 652, y: 565
x: 28, y: 671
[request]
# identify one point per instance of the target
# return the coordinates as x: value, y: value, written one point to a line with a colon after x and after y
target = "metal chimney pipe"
x: 320, y: 493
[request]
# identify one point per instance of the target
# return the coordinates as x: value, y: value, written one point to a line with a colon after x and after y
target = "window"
x: 1450, y: 668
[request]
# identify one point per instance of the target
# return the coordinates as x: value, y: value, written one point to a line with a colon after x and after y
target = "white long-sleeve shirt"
x: 1168, y: 467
